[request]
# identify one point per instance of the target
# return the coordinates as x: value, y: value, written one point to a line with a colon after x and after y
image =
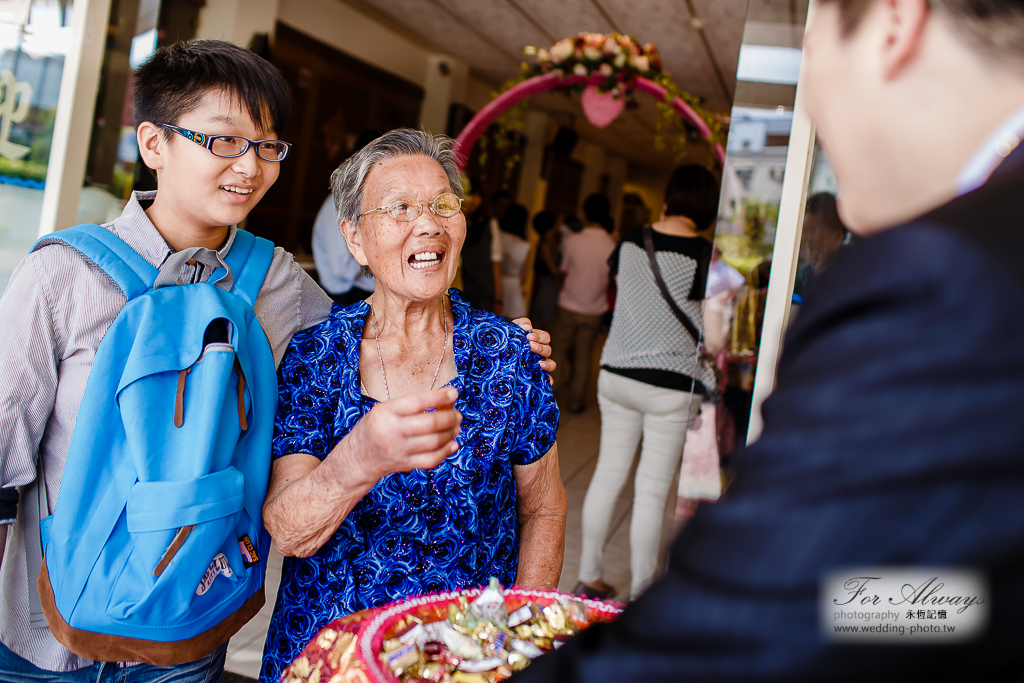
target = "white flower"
x: 592, y: 53
x: 620, y: 60
x: 606, y: 69
x: 611, y: 47
x: 543, y: 55
x: 580, y: 70
x: 639, y: 63
x: 562, y: 50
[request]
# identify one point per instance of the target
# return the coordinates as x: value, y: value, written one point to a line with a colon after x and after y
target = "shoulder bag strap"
x: 678, y: 312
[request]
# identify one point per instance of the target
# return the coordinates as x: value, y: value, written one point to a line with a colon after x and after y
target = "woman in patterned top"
x: 647, y: 383
x: 412, y: 500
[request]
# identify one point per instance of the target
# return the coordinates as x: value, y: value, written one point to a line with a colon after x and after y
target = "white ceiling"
x: 490, y: 34
x: 699, y: 41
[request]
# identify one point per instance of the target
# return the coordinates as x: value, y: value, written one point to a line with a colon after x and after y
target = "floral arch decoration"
x: 606, y: 70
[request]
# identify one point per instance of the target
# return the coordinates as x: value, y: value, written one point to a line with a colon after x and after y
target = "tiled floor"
x: 578, y: 438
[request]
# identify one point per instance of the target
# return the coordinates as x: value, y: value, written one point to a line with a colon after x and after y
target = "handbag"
x: 700, y: 475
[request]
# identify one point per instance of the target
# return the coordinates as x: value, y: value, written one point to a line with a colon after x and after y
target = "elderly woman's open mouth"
x: 426, y: 259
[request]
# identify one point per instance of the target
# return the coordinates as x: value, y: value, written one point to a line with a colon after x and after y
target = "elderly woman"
x: 381, y: 488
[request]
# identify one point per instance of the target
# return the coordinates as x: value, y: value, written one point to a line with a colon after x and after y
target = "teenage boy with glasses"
x: 57, y: 306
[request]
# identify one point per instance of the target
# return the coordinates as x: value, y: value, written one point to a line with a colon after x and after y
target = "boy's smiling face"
x: 199, y: 194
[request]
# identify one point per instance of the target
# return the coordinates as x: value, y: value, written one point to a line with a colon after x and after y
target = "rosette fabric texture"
x: 418, y: 532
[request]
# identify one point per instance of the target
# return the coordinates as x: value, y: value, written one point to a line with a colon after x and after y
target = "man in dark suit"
x: 895, y: 436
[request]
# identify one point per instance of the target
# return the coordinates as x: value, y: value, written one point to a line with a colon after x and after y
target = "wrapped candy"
x: 415, y: 634
x: 542, y: 629
x: 559, y: 621
x: 401, y: 659
x: 518, y: 662
x: 498, y: 643
x: 501, y: 673
x: 576, y: 610
x: 555, y: 615
x: 490, y: 605
x: 462, y: 646
x: 526, y: 648
x: 478, y: 641
x: 526, y: 614
x: 434, y: 672
x: 481, y: 665
x: 465, y: 677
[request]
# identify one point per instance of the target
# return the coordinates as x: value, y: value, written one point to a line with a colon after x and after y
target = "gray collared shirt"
x: 53, y: 314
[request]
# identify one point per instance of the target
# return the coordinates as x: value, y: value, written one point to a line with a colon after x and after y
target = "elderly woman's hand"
x: 540, y: 344
x: 307, y: 499
x: 399, y: 436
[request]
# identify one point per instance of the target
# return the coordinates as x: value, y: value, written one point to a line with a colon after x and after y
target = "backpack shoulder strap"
x: 249, y: 260
x: 129, y: 271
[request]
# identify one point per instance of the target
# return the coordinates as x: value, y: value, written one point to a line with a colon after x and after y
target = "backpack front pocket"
x: 177, y: 530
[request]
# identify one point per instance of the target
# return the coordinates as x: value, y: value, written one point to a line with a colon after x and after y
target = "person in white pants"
x: 651, y: 385
x: 663, y: 416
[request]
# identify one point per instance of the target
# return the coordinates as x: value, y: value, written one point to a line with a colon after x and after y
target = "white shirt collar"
x: 996, y: 147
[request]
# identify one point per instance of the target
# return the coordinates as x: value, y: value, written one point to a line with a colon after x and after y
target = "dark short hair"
x: 823, y: 206
x: 514, y: 220
x: 692, y: 191
x: 574, y: 224
x: 596, y: 208
x: 993, y: 27
x: 177, y: 77
x: 850, y: 13
x: 544, y: 221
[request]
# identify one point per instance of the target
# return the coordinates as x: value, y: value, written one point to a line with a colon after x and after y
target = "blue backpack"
x: 156, y: 550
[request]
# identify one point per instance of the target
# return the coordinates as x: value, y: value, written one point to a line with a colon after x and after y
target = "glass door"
x: 808, y: 236
x: 765, y: 137
x: 34, y: 37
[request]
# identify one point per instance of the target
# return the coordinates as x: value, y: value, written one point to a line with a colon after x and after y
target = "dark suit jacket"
x: 895, y: 436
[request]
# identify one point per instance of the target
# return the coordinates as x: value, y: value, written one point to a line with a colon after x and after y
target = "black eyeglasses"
x: 231, y: 146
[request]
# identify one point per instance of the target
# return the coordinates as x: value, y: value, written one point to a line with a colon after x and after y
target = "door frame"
x: 786, y: 251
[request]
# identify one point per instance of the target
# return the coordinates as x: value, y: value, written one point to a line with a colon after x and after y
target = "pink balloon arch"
x: 538, y: 84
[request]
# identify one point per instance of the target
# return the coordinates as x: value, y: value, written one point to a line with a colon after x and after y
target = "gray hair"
x: 348, y: 180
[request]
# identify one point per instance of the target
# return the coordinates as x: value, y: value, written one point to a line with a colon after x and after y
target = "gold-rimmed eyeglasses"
x: 445, y: 205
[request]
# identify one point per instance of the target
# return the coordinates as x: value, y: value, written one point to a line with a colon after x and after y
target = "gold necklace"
x: 380, y: 357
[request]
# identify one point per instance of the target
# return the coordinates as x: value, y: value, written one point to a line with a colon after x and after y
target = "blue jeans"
x: 14, y: 669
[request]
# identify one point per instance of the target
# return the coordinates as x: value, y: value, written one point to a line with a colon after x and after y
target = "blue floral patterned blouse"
x: 422, y: 531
